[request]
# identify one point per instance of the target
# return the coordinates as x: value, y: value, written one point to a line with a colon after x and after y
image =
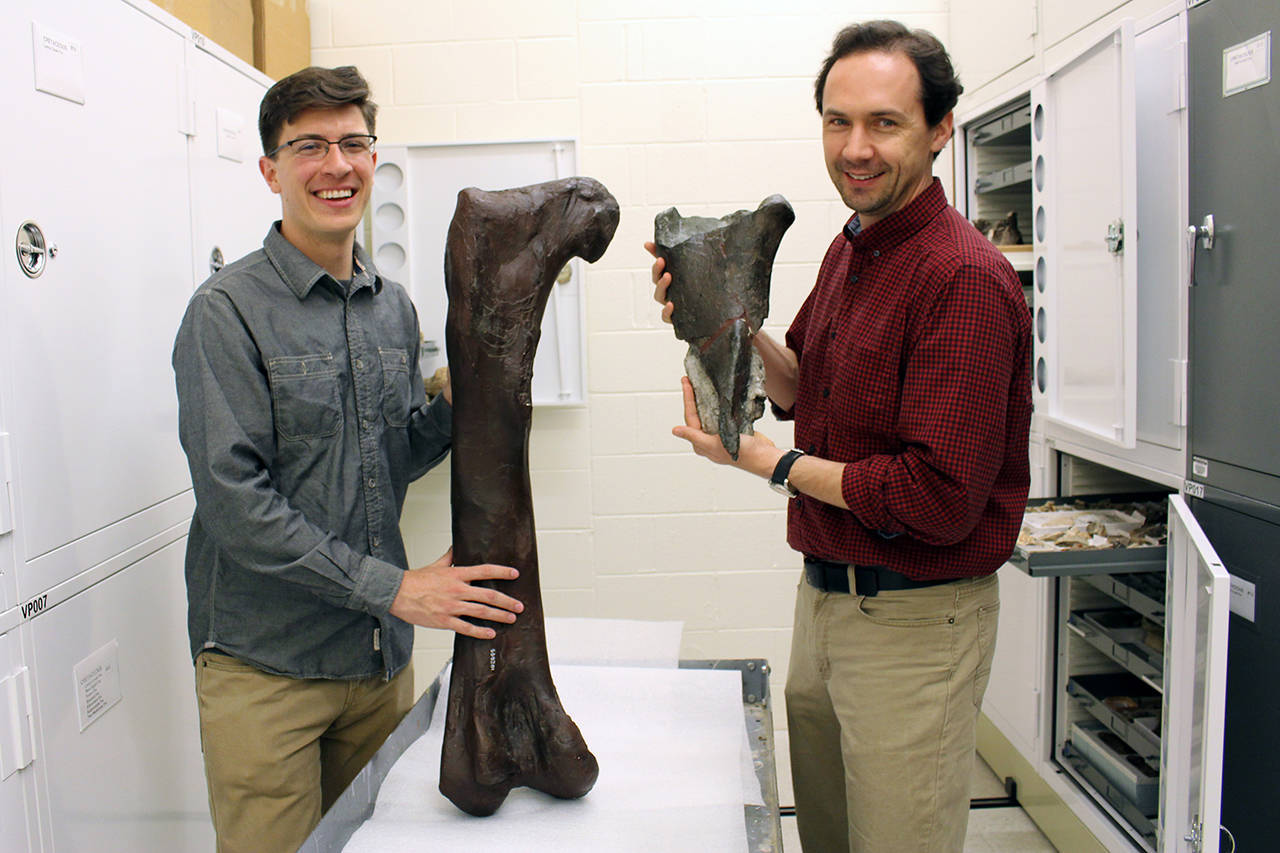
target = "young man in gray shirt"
x: 304, y: 419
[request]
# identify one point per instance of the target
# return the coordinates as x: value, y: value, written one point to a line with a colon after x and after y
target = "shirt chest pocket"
x: 396, y: 393
x: 304, y: 396
x: 867, y: 388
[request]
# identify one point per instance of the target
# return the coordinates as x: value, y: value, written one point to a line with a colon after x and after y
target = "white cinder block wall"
x: 702, y: 104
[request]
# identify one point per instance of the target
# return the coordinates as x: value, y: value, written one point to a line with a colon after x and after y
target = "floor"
x: 1002, y: 830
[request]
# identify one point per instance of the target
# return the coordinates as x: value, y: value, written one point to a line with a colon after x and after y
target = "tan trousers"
x: 882, y: 696
x: 278, y: 751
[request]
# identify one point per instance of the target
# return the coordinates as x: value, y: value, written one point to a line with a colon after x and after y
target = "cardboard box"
x: 281, y: 37
x: 229, y: 23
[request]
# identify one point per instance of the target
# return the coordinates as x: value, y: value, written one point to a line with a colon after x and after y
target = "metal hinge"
x: 186, y: 97
x: 1193, y: 837
x: 1179, y: 391
x: 17, y: 743
x: 6, y: 492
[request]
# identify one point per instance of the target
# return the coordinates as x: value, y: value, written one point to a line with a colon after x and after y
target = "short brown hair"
x: 940, y: 89
x: 312, y: 88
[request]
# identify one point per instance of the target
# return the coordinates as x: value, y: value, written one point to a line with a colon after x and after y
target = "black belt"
x: 827, y: 576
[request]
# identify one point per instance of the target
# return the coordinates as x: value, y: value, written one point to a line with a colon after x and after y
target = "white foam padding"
x: 613, y: 642
x: 669, y: 743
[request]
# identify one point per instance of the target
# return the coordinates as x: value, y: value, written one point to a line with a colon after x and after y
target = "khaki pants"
x: 883, y: 695
x: 278, y: 751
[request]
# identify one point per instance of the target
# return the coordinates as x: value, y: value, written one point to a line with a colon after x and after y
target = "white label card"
x: 1243, y: 598
x: 59, y: 63
x: 98, y: 683
x: 230, y: 135
x: 1246, y: 65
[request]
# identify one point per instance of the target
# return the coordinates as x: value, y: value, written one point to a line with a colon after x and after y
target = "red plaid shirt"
x: 915, y: 370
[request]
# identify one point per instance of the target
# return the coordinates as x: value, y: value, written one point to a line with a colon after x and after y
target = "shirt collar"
x: 301, y: 273
x: 899, y: 225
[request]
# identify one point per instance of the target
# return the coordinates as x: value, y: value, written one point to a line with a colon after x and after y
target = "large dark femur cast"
x: 720, y: 271
x: 505, y: 726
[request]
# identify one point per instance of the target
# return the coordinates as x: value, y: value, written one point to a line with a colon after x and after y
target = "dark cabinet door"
x: 1234, y: 350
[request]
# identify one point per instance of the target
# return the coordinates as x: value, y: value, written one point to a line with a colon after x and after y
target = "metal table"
x: 762, y: 822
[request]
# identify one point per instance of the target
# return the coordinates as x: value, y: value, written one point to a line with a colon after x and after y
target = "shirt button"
x: 853, y: 279
x: 826, y: 392
x: 875, y: 253
x: 359, y: 364
x: 833, y: 334
x: 372, y: 482
x: 376, y: 541
x: 365, y: 424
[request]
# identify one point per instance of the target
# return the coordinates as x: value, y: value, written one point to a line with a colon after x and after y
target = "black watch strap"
x: 779, y: 482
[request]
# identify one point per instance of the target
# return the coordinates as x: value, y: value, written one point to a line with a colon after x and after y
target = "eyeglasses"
x: 317, y: 148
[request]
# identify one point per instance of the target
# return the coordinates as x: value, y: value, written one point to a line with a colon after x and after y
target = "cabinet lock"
x: 33, y: 252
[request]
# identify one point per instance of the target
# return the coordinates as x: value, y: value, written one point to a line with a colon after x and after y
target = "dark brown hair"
x: 939, y: 86
x: 312, y: 88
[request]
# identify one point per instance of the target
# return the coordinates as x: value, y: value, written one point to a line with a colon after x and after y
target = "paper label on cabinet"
x: 230, y: 135
x: 98, y: 683
x: 59, y: 64
x: 1199, y: 466
x: 1243, y: 597
x: 1246, y: 65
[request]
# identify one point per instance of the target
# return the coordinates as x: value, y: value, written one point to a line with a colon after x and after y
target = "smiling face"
x: 322, y: 200
x: 879, y: 147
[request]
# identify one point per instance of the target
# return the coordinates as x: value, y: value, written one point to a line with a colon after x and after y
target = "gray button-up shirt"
x: 303, y: 416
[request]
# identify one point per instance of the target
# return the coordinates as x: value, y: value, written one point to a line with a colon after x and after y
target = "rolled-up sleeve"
x: 952, y: 420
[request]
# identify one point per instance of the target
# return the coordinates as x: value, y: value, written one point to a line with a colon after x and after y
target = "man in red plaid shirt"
x: 907, y: 372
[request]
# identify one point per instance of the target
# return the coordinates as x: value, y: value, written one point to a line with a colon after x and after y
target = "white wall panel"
x: 533, y: 120
x: 414, y: 198
x: 547, y: 68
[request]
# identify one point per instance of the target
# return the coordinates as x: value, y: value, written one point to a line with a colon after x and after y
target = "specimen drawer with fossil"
x: 1093, y: 535
x: 1125, y: 704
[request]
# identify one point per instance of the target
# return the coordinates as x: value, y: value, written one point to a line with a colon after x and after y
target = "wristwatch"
x: 779, y: 482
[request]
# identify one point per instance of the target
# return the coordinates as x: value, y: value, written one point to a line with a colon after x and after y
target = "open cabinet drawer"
x: 1130, y: 536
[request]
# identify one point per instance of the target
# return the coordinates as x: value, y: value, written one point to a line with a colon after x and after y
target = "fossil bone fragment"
x: 505, y: 726
x: 720, y: 270
x: 1002, y: 232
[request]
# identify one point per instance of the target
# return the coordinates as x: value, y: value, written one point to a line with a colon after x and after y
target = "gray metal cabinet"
x: 1234, y: 471
x: 1235, y: 302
